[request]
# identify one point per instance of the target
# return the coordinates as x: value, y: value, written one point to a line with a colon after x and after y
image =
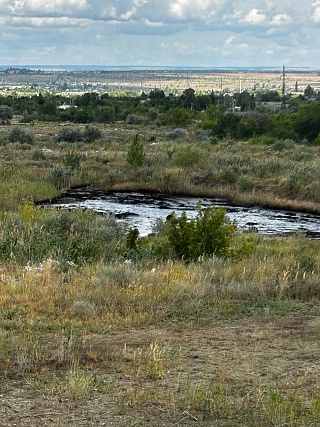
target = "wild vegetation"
x: 197, y: 324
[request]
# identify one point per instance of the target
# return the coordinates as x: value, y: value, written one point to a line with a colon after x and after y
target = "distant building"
x: 65, y: 106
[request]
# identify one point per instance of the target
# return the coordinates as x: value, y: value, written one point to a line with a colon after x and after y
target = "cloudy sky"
x: 208, y: 33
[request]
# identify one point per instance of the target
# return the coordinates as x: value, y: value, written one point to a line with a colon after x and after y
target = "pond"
x: 141, y: 210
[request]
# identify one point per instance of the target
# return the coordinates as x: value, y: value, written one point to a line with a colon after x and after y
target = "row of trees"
x: 303, y: 125
x: 298, y: 121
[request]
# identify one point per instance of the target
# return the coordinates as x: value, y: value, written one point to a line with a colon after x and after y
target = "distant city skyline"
x: 161, y: 33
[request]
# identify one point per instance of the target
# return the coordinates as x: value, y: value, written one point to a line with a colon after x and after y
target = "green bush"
x: 262, y: 139
x: 210, y: 233
x: 91, y: 133
x: 188, y: 156
x: 72, y: 160
x: 6, y: 114
x: 68, y: 134
x: 60, y: 177
x: 179, y: 117
x: 21, y: 135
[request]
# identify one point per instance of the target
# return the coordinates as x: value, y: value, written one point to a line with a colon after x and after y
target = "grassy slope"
x: 282, y: 175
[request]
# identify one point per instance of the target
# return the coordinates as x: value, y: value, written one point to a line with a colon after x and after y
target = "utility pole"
x: 283, y: 88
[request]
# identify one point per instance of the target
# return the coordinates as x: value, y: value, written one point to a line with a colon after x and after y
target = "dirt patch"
x: 152, y: 376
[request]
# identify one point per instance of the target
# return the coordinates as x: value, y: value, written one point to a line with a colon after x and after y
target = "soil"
x: 254, y: 352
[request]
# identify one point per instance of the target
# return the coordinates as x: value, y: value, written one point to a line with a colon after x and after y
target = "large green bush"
x: 188, y: 156
x: 210, y: 233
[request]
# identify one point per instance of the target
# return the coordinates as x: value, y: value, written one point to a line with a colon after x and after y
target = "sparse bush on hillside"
x: 68, y: 134
x: 21, y: 135
x: 188, y: 156
x: 91, y: 133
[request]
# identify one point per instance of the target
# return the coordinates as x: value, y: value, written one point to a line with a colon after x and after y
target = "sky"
x: 195, y: 33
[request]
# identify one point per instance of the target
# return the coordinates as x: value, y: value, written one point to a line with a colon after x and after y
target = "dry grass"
x: 280, y: 176
x: 216, y: 342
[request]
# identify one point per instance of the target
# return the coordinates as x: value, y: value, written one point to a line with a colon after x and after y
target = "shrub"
x: 69, y: 238
x: 262, y: 139
x: 38, y: 155
x: 18, y: 134
x: 179, y: 116
x: 210, y: 233
x: 68, y: 134
x: 91, y: 133
x: 136, y: 153
x: 177, y: 133
x: 188, y: 156
x: 60, y: 177
x: 6, y: 114
x: 134, y: 119
x: 72, y: 160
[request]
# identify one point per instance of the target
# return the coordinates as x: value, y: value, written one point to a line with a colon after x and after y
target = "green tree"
x: 136, y: 154
x: 6, y: 114
x: 281, y: 125
x: 309, y: 91
x: 307, y: 124
x: 179, y: 116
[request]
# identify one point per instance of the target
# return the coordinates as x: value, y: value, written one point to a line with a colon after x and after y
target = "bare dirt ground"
x: 165, y: 386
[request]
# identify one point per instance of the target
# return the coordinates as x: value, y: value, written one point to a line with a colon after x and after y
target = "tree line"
x: 238, y: 116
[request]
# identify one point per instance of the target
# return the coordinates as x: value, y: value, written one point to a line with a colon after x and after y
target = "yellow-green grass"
x: 282, y: 175
x: 216, y: 342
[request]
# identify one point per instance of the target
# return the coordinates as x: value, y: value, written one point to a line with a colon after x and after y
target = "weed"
x: 69, y: 348
x: 154, y: 363
x: 79, y: 384
x: 84, y: 309
x: 72, y: 159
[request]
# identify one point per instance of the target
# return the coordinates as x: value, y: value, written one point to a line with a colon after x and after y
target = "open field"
x: 169, y: 81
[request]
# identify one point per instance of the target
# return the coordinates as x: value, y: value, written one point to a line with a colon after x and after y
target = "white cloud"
x: 185, y: 9
x: 45, y: 6
x: 181, y: 47
x: 316, y: 15
x: 254, y: 17
x: 229, y: 40
x: 153, y: 24
x: 49, y: 22
x: 160, y: 31
x: 281, y: 19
